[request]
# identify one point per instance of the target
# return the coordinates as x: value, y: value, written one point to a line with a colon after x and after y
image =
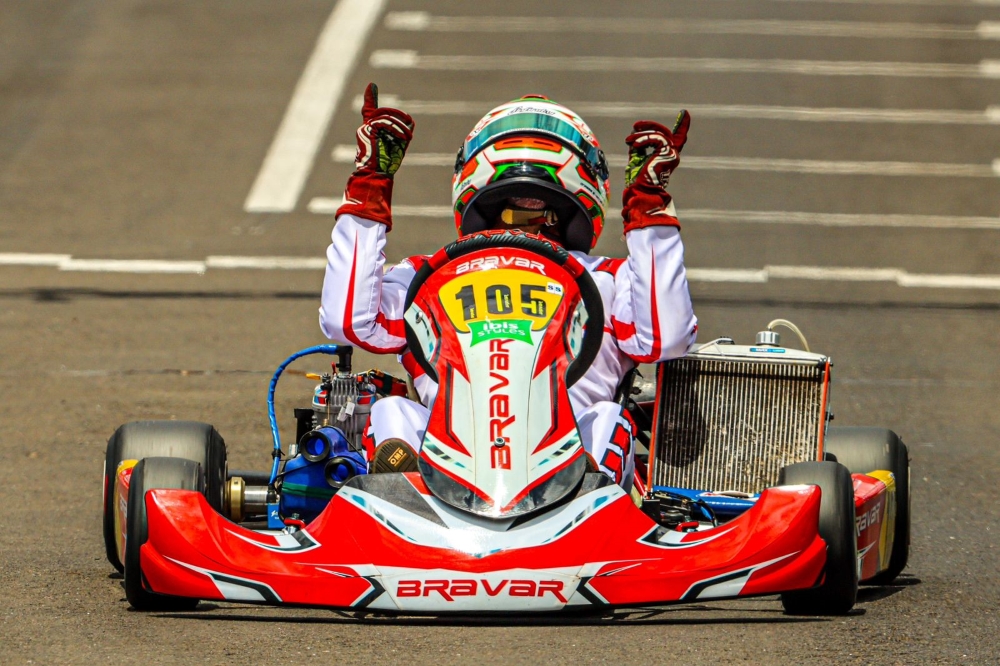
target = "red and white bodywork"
x: 500, y: 332
x: 874, y: 518
x: 387, y: 543
x: 503, y: 515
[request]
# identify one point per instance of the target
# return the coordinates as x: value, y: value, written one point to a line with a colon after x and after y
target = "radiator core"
x: 732, y: 424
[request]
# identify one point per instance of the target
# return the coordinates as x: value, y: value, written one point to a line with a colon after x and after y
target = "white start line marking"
x: 132, y: 266
x: 345, y: 154
x: 990, y: 116
x: 946, y: 3
x: 408, y: 59
x: 290, y: 157
x: 425, y: 21
x: 898, y: 276
x: 66, y: 262
x: 329, y: 206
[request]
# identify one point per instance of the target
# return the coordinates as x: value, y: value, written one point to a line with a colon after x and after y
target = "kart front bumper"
x: 387, y: 544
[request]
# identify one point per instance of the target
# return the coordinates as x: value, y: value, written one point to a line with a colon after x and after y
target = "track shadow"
x: 877, y: 593
x: 905, y: 580
x: 630, y: 616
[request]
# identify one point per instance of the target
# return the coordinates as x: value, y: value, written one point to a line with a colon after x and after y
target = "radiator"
x: 731, y: 419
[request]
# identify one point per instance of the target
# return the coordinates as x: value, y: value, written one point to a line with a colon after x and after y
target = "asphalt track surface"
x: 135, y: 130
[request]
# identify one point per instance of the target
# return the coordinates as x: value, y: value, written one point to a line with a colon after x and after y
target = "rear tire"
x: 839, y: 590
x: 190, y: 440
x: 864, y: 450
x: 151, y: 474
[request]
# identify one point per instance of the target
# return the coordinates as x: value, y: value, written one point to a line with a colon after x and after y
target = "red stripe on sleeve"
x: 410, y: 365
x: 394, y: 327
x: 352, y: 337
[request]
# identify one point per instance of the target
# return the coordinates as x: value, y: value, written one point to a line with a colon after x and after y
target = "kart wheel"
x: 190, y: 440
x: 151, y: 474
x: 839, y: 590
x: 864, y: 450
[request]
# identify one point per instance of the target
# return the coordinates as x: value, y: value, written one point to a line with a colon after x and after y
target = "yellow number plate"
x: 501, y: 295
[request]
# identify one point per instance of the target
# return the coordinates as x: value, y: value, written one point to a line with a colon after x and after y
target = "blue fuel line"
x: 330, y: 350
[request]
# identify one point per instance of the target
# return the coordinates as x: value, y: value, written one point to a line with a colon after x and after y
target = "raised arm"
x: 360, y: 305
x: 652, y: 316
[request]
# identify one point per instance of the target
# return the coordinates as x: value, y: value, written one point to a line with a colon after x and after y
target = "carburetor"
x: 341, y: 400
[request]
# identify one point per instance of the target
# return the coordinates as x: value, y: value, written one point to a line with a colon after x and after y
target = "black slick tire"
x: 151, y: 474
x: 189, y: 440
x: 839, y: 590
x: 864, y: 450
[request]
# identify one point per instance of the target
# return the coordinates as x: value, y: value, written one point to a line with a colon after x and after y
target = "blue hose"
x: 308, y: 351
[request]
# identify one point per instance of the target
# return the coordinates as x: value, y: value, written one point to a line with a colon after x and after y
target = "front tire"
x: 839, y: 590
x: 190, y: 440
x: 150, y: 474
x: 864, y: 450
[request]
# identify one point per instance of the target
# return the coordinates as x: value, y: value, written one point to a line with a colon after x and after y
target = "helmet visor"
x: 539, y: 123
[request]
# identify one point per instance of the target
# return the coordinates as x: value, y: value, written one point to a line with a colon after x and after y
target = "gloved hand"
x: 654, y: 153
x: 383, y: 138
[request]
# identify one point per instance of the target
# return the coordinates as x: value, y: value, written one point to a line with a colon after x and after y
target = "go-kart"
x: 506, y: 512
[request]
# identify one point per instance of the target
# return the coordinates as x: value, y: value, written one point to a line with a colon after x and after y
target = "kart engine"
x: 329, y: 449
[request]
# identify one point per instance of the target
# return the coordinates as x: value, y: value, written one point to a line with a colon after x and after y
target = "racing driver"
x: 530, y: 164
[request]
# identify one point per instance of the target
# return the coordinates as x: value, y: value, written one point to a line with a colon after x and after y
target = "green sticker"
x: 512, y: 329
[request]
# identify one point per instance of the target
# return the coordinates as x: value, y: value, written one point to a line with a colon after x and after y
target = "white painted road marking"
x: 290, y: 157
x: 766, y: 274
x: 946, y: 3
x: 991, y: 116
x: 405, y: 59
x: 345, y: 154
x: 425, y: 21
x: 28, y: 259
x: 329, y: 206
x: 266, y: 263
x: 989, y: 29
x: 831, y: 168
x: 66, y: 262
x: 132, y: 266
x: 897, y: 276
x: 899, y: 221
x: 340, y: 155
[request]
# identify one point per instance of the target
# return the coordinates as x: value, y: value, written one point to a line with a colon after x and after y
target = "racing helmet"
x: 532, y: 154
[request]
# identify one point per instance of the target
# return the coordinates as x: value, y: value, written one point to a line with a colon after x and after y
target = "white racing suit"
x: 647, y: 318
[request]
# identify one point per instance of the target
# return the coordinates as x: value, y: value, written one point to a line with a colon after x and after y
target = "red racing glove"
x: 654, y: 153
x: 383, y: 138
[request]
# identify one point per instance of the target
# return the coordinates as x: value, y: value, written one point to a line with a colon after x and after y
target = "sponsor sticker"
x: 448, y: 589
x: 511, y: 329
